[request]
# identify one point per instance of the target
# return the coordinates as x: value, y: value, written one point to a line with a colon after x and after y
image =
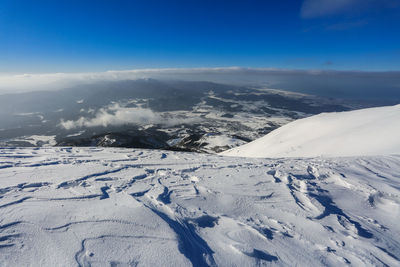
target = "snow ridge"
x: 372, y: 131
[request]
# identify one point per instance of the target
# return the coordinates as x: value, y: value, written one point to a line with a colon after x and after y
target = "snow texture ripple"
x: 125, y: 207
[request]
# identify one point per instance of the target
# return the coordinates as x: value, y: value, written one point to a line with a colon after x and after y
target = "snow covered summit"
x: 372, y: 131
x: 125, y: 207
x: 75, y: 206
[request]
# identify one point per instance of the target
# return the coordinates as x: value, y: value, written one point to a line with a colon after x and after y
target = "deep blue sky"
x: 75, y: 36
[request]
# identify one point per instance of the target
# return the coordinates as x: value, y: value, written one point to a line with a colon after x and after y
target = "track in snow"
x: 93, y: 206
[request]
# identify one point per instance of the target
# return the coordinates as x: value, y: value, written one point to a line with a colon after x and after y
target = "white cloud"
x: 113, y: 116
x: 116, y: 115
x: 318, y: 8
x: 54, y: 81
x: 378, y: 84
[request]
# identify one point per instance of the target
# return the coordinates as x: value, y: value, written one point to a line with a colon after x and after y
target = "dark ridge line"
x: 137, y: 166
x: 261, y: 255
x: 266, y: 196
x: 8, y: 237
x: 6, y: 166
x: 388, y: 253
x: 68, y: 183
x: 265, y: 231
x: 191, y: 245
x: 43, y: 164
x: 140, y: 194
x: 132, y: 181
x: 15, y: 202
x: 296, y: 199
x: 33, y: 185
x: 137, y: 178
x: 71, y: 198
x: 15, y: 156
x: 327, y: 203
x: 374, y: 172
x: 332, y: 209
x: 205, y: 221
x: 92, y: 221
x: 9, y: 224
x: 6, y: 245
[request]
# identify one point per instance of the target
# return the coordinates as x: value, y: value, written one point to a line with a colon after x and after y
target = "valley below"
x: 173, y: 115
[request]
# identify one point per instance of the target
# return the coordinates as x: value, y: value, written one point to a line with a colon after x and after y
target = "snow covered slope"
x: 124, y: 207
x: 373, y: 131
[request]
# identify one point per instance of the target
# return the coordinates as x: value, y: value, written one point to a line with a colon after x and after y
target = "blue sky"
x: 75, y: 36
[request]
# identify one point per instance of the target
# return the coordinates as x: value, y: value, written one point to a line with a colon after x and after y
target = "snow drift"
x: 372, y: 131
x: 125, y: 207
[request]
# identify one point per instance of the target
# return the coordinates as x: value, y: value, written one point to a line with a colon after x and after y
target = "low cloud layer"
x: 117, y: 115
x: 54, y: 81
x: 344, y: 84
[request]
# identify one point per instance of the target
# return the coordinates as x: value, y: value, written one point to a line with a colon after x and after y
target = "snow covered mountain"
x: 373, y: 131
x: 64, y: 206
x: 147, y: 113
x: 128, y: 207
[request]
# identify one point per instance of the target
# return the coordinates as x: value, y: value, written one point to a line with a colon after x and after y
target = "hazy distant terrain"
x: 148, y: 113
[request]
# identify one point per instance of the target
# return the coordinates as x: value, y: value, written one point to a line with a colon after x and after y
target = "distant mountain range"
x: 148, y: 113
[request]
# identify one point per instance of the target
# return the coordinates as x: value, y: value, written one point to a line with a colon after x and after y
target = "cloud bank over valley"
x: 119, y: 115
x: 383, y: 85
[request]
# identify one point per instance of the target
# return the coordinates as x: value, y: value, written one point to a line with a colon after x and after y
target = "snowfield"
x: 372, y: 131
x: 126, y: 207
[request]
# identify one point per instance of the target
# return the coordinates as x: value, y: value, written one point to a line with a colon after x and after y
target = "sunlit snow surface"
x: 102, y: 207
x: 371, y: 131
